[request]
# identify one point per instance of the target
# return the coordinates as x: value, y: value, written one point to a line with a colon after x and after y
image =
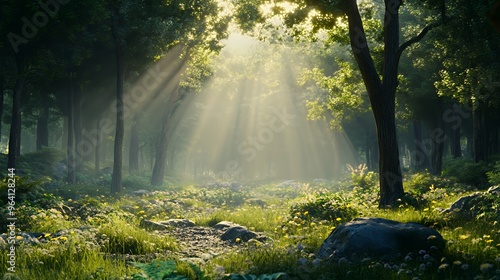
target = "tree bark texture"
x: 42, y: 125
x: 15, y: 125
x: 134, y: 145
x: 116, y: 180
x: 381, y: 94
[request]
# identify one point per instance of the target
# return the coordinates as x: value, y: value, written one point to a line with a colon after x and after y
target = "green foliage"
x: 137, y: 182
x: 273, y: 276
x: 42, y: 163
x: 23, y: 185
x: 158, y: 270
x: 325, y: 206
x: 126, y: 238
x: 362, y: 178
x: 466, y: 171
x: 494, y: 175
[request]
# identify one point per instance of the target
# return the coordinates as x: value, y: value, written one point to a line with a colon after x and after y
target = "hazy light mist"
x: 249, y: 122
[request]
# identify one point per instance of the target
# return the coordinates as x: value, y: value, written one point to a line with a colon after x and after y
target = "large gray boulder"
x: 468, y: 207
x: 378, y: 238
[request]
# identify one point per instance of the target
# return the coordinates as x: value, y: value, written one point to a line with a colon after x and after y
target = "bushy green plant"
x: 23, y: 185
x: 158, y: 270
x: 126, y: 238
x: 42, y: 162
x: 467, y: 171
x: 361, y: 177
x: 494, y: 175
x: 421, y: 183
x: 137, y: 182
x: 325, y: 206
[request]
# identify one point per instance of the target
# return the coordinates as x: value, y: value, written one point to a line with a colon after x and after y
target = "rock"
x: 233, y: 231
x: 148, y: 224
x: 224, y: 225
x: 178, y: 223
x: 141, y: 192
x: 378, y: 238
x: 467, y: 206
x: 238, y: 232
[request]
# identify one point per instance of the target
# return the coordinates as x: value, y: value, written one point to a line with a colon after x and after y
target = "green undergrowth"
x: 96, y: 236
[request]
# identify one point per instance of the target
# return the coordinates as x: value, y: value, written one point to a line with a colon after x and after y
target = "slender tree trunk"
x: 134, y: 145
x: 381, y: 94
x: 479, y: 136
x: 97, y: 163
x: 438, y: 140
x: 42, y: 126
x: 70, y: 150
x: 116, y: 181
x: 77, y: 125
x: 455, y: 146
x: 161, y: 153
x: 15, y: 125
x: 1, y: 104
x: 420, y: 161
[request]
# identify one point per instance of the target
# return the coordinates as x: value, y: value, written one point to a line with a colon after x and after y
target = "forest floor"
x: 79, y: 232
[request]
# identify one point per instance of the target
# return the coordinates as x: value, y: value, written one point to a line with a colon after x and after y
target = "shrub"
x: 494, y: 175
x: 361, y: 178
x: 41, y: 163
x: 126, y: 238
x: 325, y: 206
x: 466, y: 171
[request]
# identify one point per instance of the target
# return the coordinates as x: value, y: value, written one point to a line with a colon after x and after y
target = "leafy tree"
x: 200, y: 40
x: 381, y: 84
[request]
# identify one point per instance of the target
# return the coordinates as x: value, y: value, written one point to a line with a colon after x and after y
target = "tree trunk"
x: 42, y: 125
x: 161, y: 153
x: 455, y: 146
x: 419, y: 158
x: 15, y: 125
x: 1, y: 104
x: 479, y: 136
x: 134, y: 145
x: 70, y: 150
x: 97, y: 163
x: 382, y: 95
x: 116, y: 181
x: 438, y: 140
x: 77, y: 125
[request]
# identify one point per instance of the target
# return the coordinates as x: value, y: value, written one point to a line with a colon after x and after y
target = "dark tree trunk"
x: 77, y: 125
x: 1, y: 104
x: 42, y: 125
x: 455, y: 146
x: 97, y: 158
x: 116, y: 181
x: 381, y: 94
x: 134, y: 145
x: 161, y: 153
x: 438, y: 140
x: 367, y: 150
x: 419, y: 158
x: 480, y: 147
x: 15, y: 125
x: 494, y: 138
x: 70, y: 150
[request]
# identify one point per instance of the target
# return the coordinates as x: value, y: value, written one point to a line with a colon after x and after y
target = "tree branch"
x: 417, y: 38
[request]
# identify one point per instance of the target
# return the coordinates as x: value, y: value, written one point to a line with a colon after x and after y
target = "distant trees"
x: 58, y: 49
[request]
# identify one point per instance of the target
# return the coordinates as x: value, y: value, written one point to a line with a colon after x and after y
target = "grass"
x: 101, y: 239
